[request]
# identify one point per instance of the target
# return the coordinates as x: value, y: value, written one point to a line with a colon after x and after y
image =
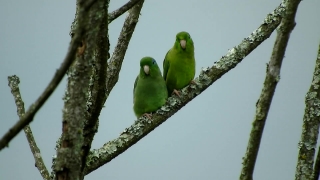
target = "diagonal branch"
x: 142, y: 127
x: 310, y: 129
x: 114, y: 64
x: 14, y: 85
x: 33, y: 109
x: 115, y: 14
x: 270, y: 84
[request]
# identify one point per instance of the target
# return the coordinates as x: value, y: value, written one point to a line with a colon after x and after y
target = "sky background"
x: 207, y: 138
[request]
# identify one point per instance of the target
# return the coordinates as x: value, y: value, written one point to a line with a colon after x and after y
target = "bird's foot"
x: 149, y: 116
x: 176, y: 92
x: 193, y: 82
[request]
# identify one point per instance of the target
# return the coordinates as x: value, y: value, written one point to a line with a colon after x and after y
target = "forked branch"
x: 115, y: 14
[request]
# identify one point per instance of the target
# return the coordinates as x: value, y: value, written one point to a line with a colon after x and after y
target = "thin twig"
x: 316, y: 169
x: 142, y: 127
x: 270, y: 84
x: 310, y: 129
x: 115, y: 62
x: 33, y: 109
x: 14, y: 85
x: 116, y: 13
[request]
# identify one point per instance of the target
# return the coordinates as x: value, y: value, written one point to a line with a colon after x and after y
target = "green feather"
x: 179, y: 64
x: 150, y: 91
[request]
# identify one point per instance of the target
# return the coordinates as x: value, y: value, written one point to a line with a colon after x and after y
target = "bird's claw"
x: 149, y: 116
x: 176, y: 92
x: 193, y: 82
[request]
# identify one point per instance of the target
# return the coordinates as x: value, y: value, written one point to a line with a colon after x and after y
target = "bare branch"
x: 310, y: 129
x: 115, y: 63
x: 316, y: 169
x: 270, y: 84
x: 115, y: 14
x: 14, y: 85
x: 142, y: 127
x: 33, y: 109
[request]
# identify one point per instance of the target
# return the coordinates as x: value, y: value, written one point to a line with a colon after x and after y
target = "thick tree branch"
x: 115, y: 63
x: 310, y: 129
x: 97, y: 86
x: 33, y: 109
x: 142, y: 127
x: 99, y: 78
x: 14, y: 85
x: 97, y: 94
x: 71, y: 158
x: 115, y: 14
x: 270, y: 84
x: 316, y: 169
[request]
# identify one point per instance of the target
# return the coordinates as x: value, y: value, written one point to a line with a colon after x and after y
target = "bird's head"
x: 148, y: 66
x: 183, y: 41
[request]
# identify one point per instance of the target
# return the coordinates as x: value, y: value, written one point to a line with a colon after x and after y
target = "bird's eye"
x: 154, y: 62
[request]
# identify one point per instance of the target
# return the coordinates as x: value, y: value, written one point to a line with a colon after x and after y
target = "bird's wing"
x: 166, y: 65
x: 134, y: 86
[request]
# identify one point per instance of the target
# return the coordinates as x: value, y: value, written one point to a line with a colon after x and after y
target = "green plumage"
x: 150, y: 91
x: 179, y: 64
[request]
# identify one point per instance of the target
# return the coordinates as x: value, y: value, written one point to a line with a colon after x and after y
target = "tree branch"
x: 100, y: 77
x: 71, y: 154
x: 310, y: 129
x: 115, y: 14
x: 33, y: 109
x: 115, y: 63
x: 270, y: 84
x: 97, y: 86
x: 316, y: 169
x: 142, y: 126
x: 14, y: 85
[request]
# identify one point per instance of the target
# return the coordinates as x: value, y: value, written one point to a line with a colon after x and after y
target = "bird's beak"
x: 183, y: 43
x: 146, y: 69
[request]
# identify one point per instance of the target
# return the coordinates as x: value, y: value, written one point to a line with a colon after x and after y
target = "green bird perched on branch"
x: 150, y: 90
x: 179, y: 65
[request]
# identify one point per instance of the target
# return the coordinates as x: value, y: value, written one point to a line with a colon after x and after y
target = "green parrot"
x: 179, y: 65
x: 150, y: 90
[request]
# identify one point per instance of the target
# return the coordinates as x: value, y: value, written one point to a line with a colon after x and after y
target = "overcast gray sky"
x: 207, y: 138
